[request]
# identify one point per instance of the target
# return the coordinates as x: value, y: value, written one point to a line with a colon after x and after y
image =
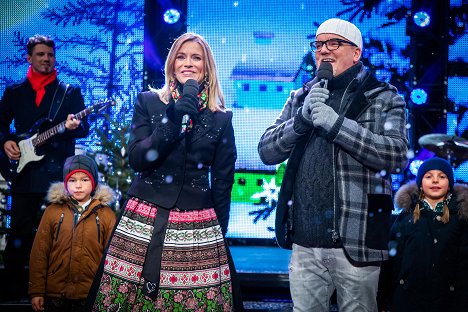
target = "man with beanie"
x: 71, y: 238
x: 41, y: 96
x: 430, y: 239
x: 342, y: 140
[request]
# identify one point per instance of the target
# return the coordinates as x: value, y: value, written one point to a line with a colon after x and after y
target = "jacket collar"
x: 58, y: 195
x: 358, y: 102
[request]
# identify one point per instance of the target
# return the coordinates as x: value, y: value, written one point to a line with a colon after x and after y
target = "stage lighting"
x: 171, y: 16
x: 422, y: 19
x: 418, y: 96
x: 414, y: 166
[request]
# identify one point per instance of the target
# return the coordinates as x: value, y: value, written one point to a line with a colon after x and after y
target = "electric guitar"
x: 10, y: 168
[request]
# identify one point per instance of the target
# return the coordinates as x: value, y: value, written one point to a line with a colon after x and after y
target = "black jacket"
x: 18, y: 105
x: 431, y: 261
x: 187, y: 171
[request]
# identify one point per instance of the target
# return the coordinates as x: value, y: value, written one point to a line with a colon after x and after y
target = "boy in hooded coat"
x: 71, y: 238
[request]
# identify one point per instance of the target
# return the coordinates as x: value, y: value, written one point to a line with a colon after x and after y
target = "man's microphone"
x: 324, y: 74
x: 190, y: 88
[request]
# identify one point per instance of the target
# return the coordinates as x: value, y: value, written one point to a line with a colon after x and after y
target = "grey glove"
x: 323, y: 116
x: 317, y: 95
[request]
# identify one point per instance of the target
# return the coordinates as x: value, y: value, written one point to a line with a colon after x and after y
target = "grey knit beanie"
x: 80, y: 163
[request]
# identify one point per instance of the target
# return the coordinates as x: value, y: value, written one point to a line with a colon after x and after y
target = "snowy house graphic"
x: 264, y: 85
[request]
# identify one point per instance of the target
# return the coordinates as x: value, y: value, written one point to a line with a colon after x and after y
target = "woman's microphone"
x: 190, y: 88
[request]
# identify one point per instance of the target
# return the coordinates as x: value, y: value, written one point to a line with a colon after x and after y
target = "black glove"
x: 187, y: 105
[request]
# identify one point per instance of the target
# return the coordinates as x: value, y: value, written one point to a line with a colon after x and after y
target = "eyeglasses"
x: 332, y: 44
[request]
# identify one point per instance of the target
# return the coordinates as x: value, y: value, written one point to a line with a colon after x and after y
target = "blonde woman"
x: 168, y: 252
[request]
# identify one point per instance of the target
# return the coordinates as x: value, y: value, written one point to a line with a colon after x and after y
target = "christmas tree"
x: 111, y: 153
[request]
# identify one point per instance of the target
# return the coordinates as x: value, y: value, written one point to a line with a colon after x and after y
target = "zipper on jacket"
x: 334, y: 233
x: 58, y: 227
x: 98, y: 224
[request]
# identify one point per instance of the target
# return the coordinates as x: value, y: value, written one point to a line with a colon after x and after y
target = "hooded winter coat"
x: 431, y: 262
x: 65, y: 255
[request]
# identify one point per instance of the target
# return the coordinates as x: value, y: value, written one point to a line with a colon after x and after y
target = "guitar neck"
x: 59, y: 128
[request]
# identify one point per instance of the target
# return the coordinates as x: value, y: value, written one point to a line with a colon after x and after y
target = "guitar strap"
x: 57, y: 100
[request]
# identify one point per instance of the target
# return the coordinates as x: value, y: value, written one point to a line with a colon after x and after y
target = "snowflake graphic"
x: 267, y: 197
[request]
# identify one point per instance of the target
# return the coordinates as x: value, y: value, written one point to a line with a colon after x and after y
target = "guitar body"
x: 28, y: 153
x: 10, y: 168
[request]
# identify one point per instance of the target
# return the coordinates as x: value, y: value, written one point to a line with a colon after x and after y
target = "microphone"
x: 325, y: 73
x: 190, y: 88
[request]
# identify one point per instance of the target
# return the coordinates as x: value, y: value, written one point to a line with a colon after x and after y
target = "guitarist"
x: 40, y: 96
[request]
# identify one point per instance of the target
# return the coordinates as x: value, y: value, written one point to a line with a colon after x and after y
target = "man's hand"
x: 37, y: 303
x: 323, y: 116
x: 317, y: 95
x: 12, y: 150
x: 72, y: 122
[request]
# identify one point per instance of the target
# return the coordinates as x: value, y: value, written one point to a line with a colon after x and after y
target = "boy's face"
x: 79, y: 187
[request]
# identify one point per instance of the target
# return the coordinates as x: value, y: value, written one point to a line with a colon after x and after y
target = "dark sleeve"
x: 461, y: 272
x: 6, y: 117
x: 76, y: 104
x: 397, y: 245
x: 222, y: 173
x: 146, y: 146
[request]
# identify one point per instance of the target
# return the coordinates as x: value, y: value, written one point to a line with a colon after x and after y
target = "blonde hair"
x: 212, y: 86
x: 417, y: 211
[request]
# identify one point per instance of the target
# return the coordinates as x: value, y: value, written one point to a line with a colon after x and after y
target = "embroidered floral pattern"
x: 194, y: 275
x: 118, y: 296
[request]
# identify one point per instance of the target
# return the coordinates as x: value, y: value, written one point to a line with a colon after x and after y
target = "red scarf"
x: 39, y: 81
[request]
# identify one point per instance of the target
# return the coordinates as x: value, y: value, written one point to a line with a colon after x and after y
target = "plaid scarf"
x: 439, y: 208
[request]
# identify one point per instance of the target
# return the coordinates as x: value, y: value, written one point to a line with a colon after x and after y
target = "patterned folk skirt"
x: 194, y: 273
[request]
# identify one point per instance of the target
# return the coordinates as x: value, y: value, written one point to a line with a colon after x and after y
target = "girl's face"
x: 80, y: 186
x: 190, y: 62
x: 435, y: 185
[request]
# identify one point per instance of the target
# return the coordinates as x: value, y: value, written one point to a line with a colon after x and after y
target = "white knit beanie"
x: 342, y: 28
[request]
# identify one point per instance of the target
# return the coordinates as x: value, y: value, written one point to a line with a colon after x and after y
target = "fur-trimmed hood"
x: 58, y: 195
x: 408, y: 194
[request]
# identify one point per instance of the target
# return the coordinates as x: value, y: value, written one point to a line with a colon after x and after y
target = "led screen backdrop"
x: 457, y: 90
x: 99, y: 47
x: 262, y: 49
